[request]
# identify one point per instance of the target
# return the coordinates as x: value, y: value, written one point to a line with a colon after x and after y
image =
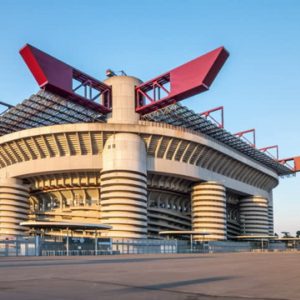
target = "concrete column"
x: 123, y: 99
x: 124, y: 186
x: 254, y: 216
x: 14, y: 207
x: 270, y: 214
x: 209, y: 210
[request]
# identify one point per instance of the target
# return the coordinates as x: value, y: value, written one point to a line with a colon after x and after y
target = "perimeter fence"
x: 59, y: 246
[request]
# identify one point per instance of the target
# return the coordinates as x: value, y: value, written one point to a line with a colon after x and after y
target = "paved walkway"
x: 234, y: 276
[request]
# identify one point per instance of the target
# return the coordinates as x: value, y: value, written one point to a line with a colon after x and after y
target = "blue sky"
x: 259, y: 86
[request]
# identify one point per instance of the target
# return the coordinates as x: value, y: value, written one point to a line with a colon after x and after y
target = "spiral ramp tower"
x: 14, y: 207
x: 124, y: 186
x: 209, y: 210
x: 130, y: 157
x: 254, y: 215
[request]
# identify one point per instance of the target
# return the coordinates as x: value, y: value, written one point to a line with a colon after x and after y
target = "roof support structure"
x: 179, y: 115
x: 266, y: 150
x: 295, y: 163
x: 45, y: 109
x: 57, y: 77
x: 208, y: 115
x: 180, y: 83
x: 245, y: 136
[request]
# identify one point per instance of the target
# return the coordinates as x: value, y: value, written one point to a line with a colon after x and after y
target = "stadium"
x: 125, y: 157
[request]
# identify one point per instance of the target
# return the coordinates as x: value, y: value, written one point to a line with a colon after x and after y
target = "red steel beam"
x: 295, y: 161
x: 266, y: 150
x: 242, y: 134
x: 180, y: 83
x: 56, y: 76
x: 208, y: 114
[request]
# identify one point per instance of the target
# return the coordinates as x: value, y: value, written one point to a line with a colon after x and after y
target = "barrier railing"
x: 34, y: 246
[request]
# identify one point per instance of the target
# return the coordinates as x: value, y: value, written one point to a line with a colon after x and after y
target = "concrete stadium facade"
x: 138, y: 176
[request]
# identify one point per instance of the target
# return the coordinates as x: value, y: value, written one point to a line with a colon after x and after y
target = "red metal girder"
x: 185, y: 81
x: 208, y: 114
x: 295, y: 160
x: 242, y: 134
x: 56, y: 76
x: 265, y: 150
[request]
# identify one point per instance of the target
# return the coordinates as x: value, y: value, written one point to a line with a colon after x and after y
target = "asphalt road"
x: 233, y: 276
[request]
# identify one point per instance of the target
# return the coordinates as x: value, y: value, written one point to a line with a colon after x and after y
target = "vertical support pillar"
x: 37, y: 242
x: 124, y: 186
x: 96, y: 242
x: 271, y: 214
x: 14, y: 207
x: 124, y: 174
x: 209, y: 210
x: 255, y: 214
x: 67, y: 243
x: 123, y: 102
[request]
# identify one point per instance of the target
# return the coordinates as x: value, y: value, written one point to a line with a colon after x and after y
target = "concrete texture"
x: 191, y: 277
x: 62, y: 164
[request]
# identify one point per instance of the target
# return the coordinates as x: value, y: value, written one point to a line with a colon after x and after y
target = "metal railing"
x: 36, y: 246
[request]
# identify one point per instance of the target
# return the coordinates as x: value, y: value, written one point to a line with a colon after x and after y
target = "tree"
x: 286, y: 234
x: 298, y: 234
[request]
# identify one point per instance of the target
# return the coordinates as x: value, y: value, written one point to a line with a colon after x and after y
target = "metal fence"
x: 19, y: 247
x: 58, y: 246
x: 143, y: 246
